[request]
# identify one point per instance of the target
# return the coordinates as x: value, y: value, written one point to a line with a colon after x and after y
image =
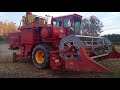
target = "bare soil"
x: 25, y: 68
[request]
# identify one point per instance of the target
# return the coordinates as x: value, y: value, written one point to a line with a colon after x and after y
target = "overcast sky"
x: 110, y: 20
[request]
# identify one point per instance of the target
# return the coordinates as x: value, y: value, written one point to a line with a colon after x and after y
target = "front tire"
x: 40, y: 56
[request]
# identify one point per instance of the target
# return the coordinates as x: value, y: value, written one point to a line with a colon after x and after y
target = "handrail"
x: 88, y: 36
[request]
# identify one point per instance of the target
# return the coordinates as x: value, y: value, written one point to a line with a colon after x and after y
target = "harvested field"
x: 26, y: 69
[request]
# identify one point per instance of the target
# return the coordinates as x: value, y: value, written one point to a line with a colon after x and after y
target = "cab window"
x: 57, y: 22
x: 77, y: 23
x: 67, y: 22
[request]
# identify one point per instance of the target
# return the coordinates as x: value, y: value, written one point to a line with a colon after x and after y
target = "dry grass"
x: 117, y: 47
x: 26, y: 69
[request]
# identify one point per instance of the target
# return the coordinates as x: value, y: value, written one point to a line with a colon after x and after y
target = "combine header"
x: 55, y: 42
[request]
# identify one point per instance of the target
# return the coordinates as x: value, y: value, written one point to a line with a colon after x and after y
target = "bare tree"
x: 92, y: 26
x: 96, y: 26
x: 85, y: 26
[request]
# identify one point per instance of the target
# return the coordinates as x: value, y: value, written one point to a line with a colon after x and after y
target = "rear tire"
x: 40, y: 56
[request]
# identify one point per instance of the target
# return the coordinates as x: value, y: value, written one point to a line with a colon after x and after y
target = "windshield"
x: 67, y: 22
x: 75, y: 25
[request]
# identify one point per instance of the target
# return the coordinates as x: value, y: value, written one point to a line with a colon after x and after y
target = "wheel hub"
x: 39, y: 56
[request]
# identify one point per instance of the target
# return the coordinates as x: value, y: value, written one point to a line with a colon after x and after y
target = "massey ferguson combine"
x: 55, y: 42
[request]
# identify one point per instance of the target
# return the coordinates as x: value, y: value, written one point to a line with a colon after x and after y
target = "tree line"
x: 114, y: 38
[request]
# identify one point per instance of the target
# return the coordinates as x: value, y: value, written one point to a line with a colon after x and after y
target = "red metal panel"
x: 28, y: 48
x: 14, y: 40
x: 68, y: 16
x: 113, y: 54
x: 27, y: 36
x: 84, y: 64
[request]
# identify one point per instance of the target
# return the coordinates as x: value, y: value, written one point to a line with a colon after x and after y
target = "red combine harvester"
x: 55, y: 42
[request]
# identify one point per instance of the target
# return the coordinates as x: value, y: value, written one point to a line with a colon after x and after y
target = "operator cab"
x: 71, y: 23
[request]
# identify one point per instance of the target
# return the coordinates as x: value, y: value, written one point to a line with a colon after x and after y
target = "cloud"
x: 3, y: 13
x: 54, y: 14
x: 111, y: 23
x: 110, y: 20
x: 15, y: 17
x: 115, y: 31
